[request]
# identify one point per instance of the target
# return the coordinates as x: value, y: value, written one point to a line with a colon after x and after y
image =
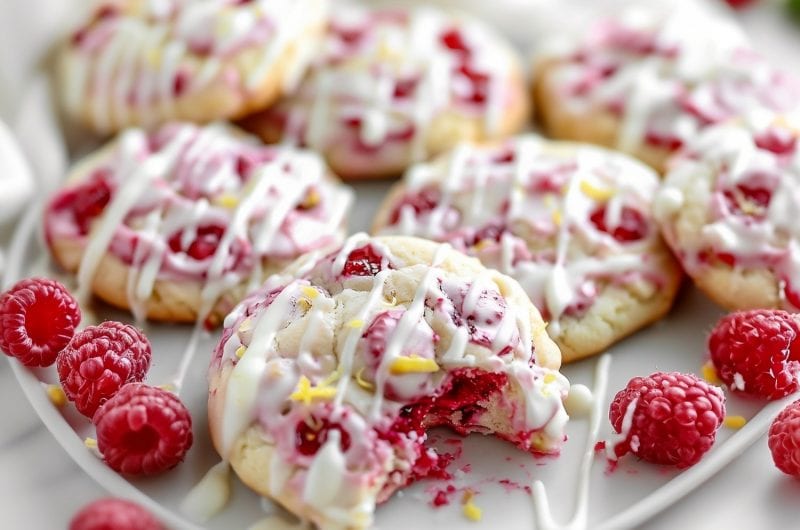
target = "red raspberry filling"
x: 114, y: 514
x: 632, y: 225
x: 312, y: 434
x: 99, y: 360
x: 86, y: 201
x: 784, y: 440
x: 756, y: 352
x: 422, y: 202
x: 143, y: 430
x: 38, y: 318
x: 750, y: 200
x: 675, y: 419
x: 779, y: 141
x: 364, y: 261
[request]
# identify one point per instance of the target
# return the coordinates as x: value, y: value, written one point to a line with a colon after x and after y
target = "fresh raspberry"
x: 755, y: 352
x: 99, y: 360
x: 309, y: 438
x: 143, y: 430
x: 114, y: 514
x: 674, y: 422
x: 784, y: 440
x: 631, y: 227
x: 38, y: 317
x: 748, y: 200
x: 363, y: 261
x: 739, y: 4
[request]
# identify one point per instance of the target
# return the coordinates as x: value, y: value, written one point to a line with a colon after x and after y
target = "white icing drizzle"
x: 479, y: 187
x: 578, y: 521
x: 129, y: 60
x: 209, y: 496
x: 360, y: 79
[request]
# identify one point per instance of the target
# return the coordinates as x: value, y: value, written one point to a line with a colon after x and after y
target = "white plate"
x: 677, y: 343
x: 498, y: 473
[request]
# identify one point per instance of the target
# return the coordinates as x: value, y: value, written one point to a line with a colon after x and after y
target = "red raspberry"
x: 422, y: 201
x: 114, y: 514
x: 38, y: 317
x: 143, y: 430
x: 363, y: 261
x: 755, y: 352
x: 99, y: 360
x: 784, y: 440
x: 675, y: 419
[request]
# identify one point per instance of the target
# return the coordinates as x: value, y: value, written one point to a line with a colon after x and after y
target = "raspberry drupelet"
x: 666, y: 418
x: 38, y: 317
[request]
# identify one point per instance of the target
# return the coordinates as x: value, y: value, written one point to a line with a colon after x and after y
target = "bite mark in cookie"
x: 324, y: 383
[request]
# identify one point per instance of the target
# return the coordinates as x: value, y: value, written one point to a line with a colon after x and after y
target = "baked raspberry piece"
x: 99, y: 360
x: 666, y: 418
x: 143, y: 430
x: 784, y: 440
x: 755, y: 352
x: 38, y: 317
x: 114, y: 514
x: 364, y: 261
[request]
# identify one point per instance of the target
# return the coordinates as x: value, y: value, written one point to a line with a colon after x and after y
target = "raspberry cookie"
x: 570, y: 222
x: 177, y: 223
x: 646, y: 84
x: 392, y: 87
x: 325, y: 380
x: 728, y: 208
x: 144, y: 63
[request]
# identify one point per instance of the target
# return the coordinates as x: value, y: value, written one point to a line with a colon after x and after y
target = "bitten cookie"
x: 570, y: 222
x: 729, y: 208
x: 392, y: 87
x: 138, y: 62
x: 177, y: 223
x: 645, y: 83
x: 326, y: 380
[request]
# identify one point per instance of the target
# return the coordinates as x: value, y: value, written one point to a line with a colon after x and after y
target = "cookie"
x: 728, y: 209
x: 572, y: 223
x: 140, y: 63
x: 645, y: 84
x: 392, y: 87
x: 176, y: 224
x: 326, y: 380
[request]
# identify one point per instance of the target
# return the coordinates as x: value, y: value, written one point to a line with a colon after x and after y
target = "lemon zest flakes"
x: 557, y: 217
x: 332, y: 377
x: 240, y: 351
x: 363, y: 383
x: 90, y: 443
x: 710, y: 374
x: 304, y: 304
x: 307, y: 393
x: 311, y: 199
x: 413, y: 364
x: 355, y: 324
x: 470, y: 509
x: 56, y: 395
x: 309, y: 292
x: 549, y: 378
x: 227, y: 200
x: 595, y: 192
x: 169, y: 387
x: 734, y: 422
